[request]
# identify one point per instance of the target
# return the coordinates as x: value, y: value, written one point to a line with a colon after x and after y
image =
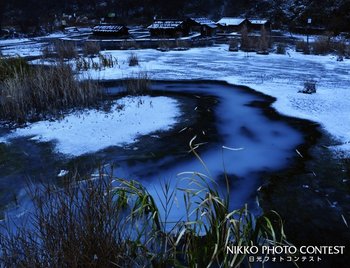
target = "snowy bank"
x: 280, y: 76
x: 93, y: 130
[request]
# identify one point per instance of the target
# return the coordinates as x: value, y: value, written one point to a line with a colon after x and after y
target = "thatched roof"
x: 204, y: 21
x: 165, y: 24
x: 258, y: 21
x: 229, y: 21
x: 108, y: 28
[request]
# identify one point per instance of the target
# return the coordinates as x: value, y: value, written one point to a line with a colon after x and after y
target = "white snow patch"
x: 62, y: 173
x: 13, y: 41
x: 93, y: 130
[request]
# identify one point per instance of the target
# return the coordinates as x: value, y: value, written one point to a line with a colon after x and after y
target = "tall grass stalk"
x: 103, y: 61
x: 133, y: 60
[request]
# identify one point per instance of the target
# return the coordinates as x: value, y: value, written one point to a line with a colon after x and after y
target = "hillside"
x: 334, y: 15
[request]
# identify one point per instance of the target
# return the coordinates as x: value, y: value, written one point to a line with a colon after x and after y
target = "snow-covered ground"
x: 92, y: 130
x: 28, y: 47
x: 23, y: 47
x: 280, y: 76
x: 13, y: 41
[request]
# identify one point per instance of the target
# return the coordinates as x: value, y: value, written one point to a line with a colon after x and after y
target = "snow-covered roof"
x: 229, y: 21
x: 108, y: 28
x: 165, y: 24
x: 258, y: 21
x: 205, y: 21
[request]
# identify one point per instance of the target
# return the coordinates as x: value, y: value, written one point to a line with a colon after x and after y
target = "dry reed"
x: 42, y: 92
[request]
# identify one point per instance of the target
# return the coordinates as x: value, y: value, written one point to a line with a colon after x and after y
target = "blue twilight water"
x: 264, y: 145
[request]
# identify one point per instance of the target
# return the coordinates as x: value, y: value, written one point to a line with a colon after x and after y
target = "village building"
x: 110, y: 31
x: 202, y: 25
x: 230, y: 24
x: 259, y: 24
x: 169, y: 28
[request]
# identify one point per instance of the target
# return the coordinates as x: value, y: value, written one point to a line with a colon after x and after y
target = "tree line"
x: 26, y: 14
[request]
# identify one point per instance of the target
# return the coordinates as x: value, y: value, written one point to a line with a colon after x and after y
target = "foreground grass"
x: 100, y: 224
x: 108, y: 222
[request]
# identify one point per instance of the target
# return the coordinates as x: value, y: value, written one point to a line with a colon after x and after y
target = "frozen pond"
x: 250, y: 144
x: 238, y: 137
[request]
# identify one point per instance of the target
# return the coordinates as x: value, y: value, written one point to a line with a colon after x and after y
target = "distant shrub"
x: 138, y: 84
x: 341, y: 48
x: 10, y: 66
x: 309, y: 87
x: 129, y: 44
x: 182, y: 44
x: 322, y: 45
x: 47, y: 52
x: 133, y: 60
x: 166, y: 45
x: 65, y: 49
x: 245, y: 40
x: 347, y: 51
x: 281, y: 49
x: 91, y: 48
x: 264, y: 42
x: 325, y: 45
x: 253, y: 43
x: 302, y: 46
x: 107, y: 61
x: 233, y: 45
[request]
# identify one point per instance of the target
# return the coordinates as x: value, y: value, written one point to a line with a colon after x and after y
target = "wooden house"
x: 204, y: 26
x: 169, y: 28
x: 110, y: 30
x: 230, y: 24
x: 259, y: 24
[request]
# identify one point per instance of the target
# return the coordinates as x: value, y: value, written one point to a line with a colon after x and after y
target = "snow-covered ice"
x: 22, y: 47
x: 93, y: 130
x: 13, y: 41
x: 280, y: 76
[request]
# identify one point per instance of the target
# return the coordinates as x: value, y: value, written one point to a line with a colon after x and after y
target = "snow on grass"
x: 92, y: 130
x: 280, y: 76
